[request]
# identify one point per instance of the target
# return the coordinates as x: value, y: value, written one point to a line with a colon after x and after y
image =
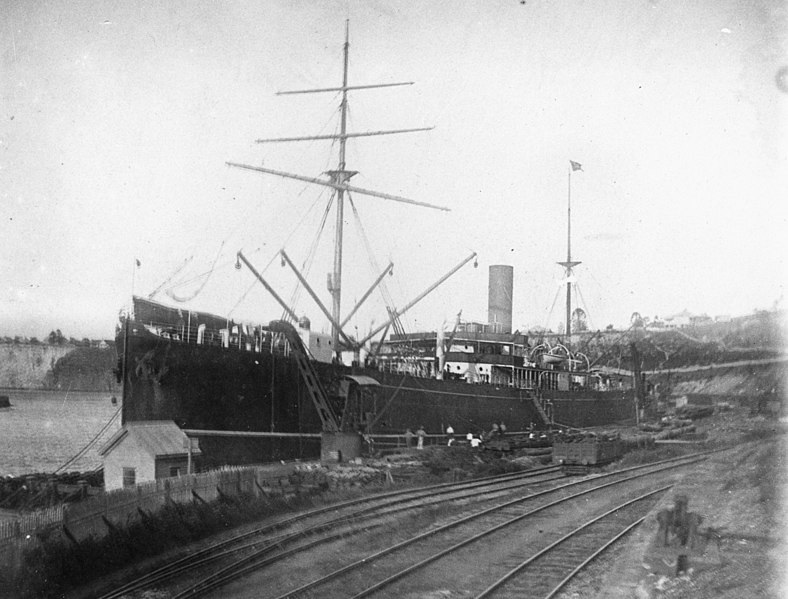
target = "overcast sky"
x: 118, y: 118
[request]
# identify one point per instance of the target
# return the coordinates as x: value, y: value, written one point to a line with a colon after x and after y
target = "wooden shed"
x: 146, y: 451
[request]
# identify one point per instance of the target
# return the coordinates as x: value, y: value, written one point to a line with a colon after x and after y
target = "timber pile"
x: 670, y: 428
x: 694, y: 412
x: 531, y: 444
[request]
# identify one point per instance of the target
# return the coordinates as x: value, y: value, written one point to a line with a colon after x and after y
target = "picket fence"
x: 121, y: 507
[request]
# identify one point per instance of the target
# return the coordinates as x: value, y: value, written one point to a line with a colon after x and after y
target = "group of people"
x: 498, y: 430
x: 420, y: 435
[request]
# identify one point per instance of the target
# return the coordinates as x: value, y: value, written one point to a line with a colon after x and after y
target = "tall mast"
x: 340, y: 176
x: 338, y: 179
x: 569, y: 264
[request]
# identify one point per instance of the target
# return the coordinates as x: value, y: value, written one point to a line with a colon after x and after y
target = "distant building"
x: 677, y: 321
x: 146, y: 451
x: 700, y: 320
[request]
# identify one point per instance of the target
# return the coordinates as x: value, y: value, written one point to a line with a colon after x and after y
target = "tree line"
x: 55, y: 337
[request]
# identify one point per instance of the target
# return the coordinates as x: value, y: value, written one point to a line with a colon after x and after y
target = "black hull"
x: 210, y: 387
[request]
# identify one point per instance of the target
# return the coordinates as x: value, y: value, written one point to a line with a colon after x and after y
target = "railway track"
x: 405, y: 558
x: 543, y: 574
x: 332, y: 521
x: 449, y: 557
x: 485, y: 511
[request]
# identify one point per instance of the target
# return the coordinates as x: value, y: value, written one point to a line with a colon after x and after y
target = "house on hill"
x: 147, y: 451
x: 680, y: 320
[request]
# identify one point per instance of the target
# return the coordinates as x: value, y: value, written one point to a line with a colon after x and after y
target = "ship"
x: 270, y: 390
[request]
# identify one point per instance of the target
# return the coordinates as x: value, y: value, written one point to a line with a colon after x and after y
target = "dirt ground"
x: 740, y: 494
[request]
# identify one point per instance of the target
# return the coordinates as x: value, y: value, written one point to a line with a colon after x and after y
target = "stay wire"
x: 550, y: 313
x: 242, y: 221
x: 384, y: 290
x: 370, y: 253
x: 90, y: 443
x: 304, y: 187
x: 579, y: 293
x: 309, y: 260
x: 252, y: 285
x: 182, y: 299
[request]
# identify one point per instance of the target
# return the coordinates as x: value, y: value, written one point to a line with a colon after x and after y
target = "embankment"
x: 754, y: 384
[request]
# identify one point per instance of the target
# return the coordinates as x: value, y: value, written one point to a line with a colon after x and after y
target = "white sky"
x: 117, y: 119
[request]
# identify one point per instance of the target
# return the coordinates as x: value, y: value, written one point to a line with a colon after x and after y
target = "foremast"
x: 569, y: 264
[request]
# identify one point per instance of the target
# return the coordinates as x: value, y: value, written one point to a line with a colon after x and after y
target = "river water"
x: 43, y: 430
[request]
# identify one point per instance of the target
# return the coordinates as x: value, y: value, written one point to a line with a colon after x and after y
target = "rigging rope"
x: 182, y: 299
x: 579, y: 294
x: 252, y: 285
x: 388, y: 300
x: 183, y: 264
x: 550, y: 313
x: 305, y: 186
x: 312, y: 252
x: 90, y: 443
x: 387, y: 297
x: 309, y: 260
x: 238, y: 223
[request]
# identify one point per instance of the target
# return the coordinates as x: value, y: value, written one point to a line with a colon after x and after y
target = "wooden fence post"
x: 70, y: 536
x: 110, y: 526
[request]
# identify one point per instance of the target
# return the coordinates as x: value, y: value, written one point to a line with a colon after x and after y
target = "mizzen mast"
x: 338, y: 178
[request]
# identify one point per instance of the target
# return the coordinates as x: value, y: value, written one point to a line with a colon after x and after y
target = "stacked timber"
x: 694, y: 412
x: 672, y: 428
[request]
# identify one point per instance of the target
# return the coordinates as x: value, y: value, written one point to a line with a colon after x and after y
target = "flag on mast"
x: 576, y: 166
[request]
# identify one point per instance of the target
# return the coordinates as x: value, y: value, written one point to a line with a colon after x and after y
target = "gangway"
x: 316, y: 392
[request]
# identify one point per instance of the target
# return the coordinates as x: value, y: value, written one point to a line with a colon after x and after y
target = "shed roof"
x: 157, y: 437
x: 363, y: 380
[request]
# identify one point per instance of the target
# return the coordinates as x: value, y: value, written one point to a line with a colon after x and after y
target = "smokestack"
x: 499, y: 298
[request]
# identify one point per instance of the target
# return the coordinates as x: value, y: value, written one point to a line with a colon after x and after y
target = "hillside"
x: 25, y: 365
x: 35, y: 365
x: 753, y: 337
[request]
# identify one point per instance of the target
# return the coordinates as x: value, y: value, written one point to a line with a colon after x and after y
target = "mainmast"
x: 569, y: 264
x: 338, y: 179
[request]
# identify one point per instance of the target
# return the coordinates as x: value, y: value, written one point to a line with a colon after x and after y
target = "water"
x: 42, y: 430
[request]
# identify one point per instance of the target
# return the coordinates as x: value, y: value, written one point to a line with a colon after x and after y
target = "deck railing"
x: 241, y: 337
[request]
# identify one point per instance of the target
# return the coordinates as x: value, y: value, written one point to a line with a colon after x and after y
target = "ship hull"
x: 217, y: 388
